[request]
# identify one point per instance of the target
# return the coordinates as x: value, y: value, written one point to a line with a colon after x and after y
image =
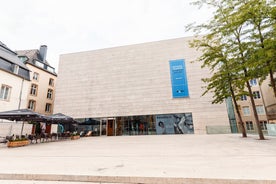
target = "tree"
x: 244, y: 32
x: 221, y: 83
x: 261, y: 18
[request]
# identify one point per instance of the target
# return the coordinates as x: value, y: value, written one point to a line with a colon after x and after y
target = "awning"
x: 23, y: 115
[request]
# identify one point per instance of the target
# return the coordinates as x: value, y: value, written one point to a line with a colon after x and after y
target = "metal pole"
x: 20, y: 95
x: 22, y: 128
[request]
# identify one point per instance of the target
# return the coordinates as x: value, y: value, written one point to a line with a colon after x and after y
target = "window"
x: 263, y: 125
x: 23, y: 58
x: 253, y: 82
x: 31, y: 105
x: 5, y: 92
x: 37, y: 63
x: 243, y: 98
x: 51, y: 82
x: 260, y: 109
x: 256, y: 95
x: 33, y: 89
x: 50, y: 94
x: 15, y: 69
x: 249, y: 125
x: 246, y: 111
x: 48, y: 107
x: 50, y: 69
x: 35, y: 76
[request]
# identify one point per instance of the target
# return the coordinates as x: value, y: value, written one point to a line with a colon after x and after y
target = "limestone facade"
x: 135, y: 80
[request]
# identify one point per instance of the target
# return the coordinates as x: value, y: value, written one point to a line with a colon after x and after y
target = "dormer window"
x: 23, y: 58
x: 39, y: 64
x: 15, y: 69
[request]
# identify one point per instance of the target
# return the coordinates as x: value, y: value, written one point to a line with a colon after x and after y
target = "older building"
x: 41, y: 92
x: 14, y: 85
x: 265, y: 105
x: 149, y: 88
x: 14, y: 80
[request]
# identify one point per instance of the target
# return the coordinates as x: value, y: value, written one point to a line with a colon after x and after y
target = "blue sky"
x: 67, y: 26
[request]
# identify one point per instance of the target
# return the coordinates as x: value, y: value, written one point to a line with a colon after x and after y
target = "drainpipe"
x: 20, y: 95
x: 19, y: 104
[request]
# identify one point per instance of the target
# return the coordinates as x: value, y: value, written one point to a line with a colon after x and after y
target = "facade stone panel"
x: 134, y: 80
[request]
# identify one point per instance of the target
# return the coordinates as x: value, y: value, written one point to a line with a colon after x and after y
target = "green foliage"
x: 240, y: 45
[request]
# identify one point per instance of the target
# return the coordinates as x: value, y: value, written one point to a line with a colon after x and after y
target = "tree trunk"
x: 260, y: 132
x: 240, y: 122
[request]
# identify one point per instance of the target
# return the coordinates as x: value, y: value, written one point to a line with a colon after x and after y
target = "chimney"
x: 43, y: 52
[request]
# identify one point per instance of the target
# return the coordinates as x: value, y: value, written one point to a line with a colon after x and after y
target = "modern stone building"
x: 148, y: 88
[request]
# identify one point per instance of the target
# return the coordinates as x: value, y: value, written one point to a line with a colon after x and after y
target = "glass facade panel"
x: 138, y: 125
x: 174, y: 124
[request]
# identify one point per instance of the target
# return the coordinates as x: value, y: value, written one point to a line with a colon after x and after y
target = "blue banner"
x: 179, y: 79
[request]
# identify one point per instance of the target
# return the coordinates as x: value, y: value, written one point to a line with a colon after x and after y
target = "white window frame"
x: 246, y: 111
x: 51, y: 82
x: 253, y: 82
x: 15, y: 69
x: 48, y: 107
x: 32, y: 104
x: 39, y: 64
x: 243, y: 98
x: 36, y: 76
x: 34, y: 89
x: 260, y: 109
x: 5, y: 92
x: 256, y: 94
x: 263, y: 125
x: 249, y: 125
x: 50, y: 94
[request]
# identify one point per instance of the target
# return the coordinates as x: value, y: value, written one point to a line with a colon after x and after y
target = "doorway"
x: 111, y: 127
x: 103, y: 126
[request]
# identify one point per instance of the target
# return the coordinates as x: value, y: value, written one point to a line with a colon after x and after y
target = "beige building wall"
x: 266, y: 100
x: 134, y: 80
x: 269, y: 100
x: 43, y: 86
x: 16, y: 83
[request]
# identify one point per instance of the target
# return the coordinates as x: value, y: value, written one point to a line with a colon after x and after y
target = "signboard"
x: 179, y: 79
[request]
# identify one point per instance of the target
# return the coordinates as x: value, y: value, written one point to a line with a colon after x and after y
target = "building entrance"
x: 180, y: 123
x: 111, y: 127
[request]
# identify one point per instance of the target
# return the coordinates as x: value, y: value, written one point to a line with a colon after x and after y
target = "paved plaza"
x: 127, y: 159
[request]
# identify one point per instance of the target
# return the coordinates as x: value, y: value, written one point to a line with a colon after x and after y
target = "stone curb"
x: 130, y: 179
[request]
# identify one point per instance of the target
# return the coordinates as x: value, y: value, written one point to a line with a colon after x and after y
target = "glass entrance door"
x: 103, y: 126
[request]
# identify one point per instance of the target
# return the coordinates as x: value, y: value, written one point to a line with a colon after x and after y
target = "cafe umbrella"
x: 63, y: 121
x: 23, y: 115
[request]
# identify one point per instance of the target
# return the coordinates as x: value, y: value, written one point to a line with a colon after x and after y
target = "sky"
x: 68, y: 26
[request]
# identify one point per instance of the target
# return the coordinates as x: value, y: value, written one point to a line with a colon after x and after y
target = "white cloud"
x: 78, y: 25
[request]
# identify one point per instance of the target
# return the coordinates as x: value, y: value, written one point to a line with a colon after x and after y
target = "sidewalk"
x: 129, y: 159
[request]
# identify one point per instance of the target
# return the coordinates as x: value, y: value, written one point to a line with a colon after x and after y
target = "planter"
x: 74, y: 137
x: 17, y: 143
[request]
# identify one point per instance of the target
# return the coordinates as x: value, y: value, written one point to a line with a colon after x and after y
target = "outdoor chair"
x: 89, y: 133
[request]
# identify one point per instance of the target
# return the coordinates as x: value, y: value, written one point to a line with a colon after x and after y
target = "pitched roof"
x: 33, y: 55
x: 11, y: 56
